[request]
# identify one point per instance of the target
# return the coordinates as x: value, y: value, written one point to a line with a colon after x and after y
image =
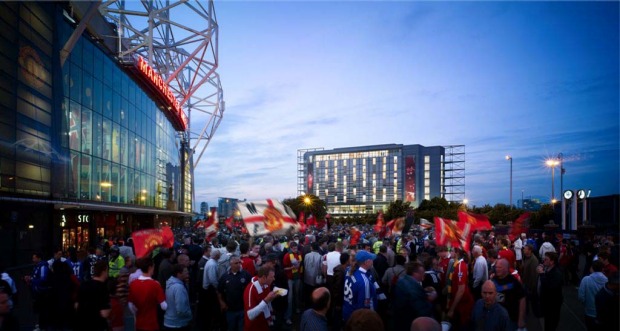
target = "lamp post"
x: 508, y: 157
x: 552, y: 163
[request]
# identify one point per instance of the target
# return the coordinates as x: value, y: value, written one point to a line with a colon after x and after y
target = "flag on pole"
x: 301, y: 222
x: 321, y: 224
x: 199, y: 224
x: 396, y: 226
x: 229, y: 223
x: 425, y: 224
x: 477, y: 221
x: 449, y: 232
x: 268, y: 216
x: 380, y: 223
x: 311, y: 220
x: 146, y: 240
x: 355, y: 236
x: 520, y: 225
x: 211, y: 225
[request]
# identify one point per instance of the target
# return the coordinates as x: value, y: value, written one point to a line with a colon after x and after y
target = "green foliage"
x: 313, y: 205
x: 396, y: 209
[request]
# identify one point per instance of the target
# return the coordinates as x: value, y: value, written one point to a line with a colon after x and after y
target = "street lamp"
x: 508, y: 157
x: 552, y: 163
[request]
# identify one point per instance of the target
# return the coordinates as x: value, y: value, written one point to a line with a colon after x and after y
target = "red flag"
x: 199, y: 224
x: 145, y: 241
x: 301, y: 222
x: 229, y: 223
x: 477, y: 221
x: 457, y: 235
x: 211, y: 225
x: 396, y: 226
x: 380, y: 225
x: 321, y: 224
x: 425, y: 224
x: 267, y: 216
x: 311, y: 221
x: 520, y: 225
x: 355, y: 236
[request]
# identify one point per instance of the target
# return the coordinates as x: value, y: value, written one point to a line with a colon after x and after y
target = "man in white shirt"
x: 332, y: 260
x: 481, y: 272
x: 518, y: 246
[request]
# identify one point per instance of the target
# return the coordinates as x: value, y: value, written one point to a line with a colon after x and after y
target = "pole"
x: 521, y: 199
x: 552, y: 183
x: 511, y: 183
x: 564, y: 224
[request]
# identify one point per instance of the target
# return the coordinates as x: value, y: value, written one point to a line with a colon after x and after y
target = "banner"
x: 409, y: 178
x: 380, y: 225
x: 301, y: 222
x: 268, y: 216
x: 310, y: 178
x: 145, y: 241
x: 355, y: 236
x: 477, y: 221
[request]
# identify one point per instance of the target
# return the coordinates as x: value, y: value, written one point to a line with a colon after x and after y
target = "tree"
x: 396, y: 209
x: 309, y: 204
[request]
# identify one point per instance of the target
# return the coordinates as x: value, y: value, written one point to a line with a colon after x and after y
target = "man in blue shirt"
x: 314, y: 319
x: 360, y: 287
x: 179, y: 313
x: 230, y: 293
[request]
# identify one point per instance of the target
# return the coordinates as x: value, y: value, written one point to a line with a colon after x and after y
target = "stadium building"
x: 360, y: 180
x: 99, y: 103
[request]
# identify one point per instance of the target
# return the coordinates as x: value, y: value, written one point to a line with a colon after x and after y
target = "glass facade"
x: 121, y: 146
x: 84, y: 131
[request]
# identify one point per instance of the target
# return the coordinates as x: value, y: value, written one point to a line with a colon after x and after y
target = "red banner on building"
x: 409, y: 178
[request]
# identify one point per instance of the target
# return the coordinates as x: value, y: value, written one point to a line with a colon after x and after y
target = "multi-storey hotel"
x: 95, y: 137
x: 359, y: 180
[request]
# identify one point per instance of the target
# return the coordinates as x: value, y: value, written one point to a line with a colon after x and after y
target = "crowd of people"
x: 320, y: 281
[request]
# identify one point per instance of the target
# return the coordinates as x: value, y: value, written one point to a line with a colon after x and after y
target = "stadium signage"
x: 162, y: 88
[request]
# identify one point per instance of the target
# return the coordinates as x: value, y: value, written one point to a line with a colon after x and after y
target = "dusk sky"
x: 529, y: 79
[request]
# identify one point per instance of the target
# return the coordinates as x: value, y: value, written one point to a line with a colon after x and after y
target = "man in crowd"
x: 488, y: 315
x: 93, y: 301
x: 511, y: 294
x: 230, y: 293
x: 179, y: 313
x: 607, y: 302
x: 145, y: 295
x: 293, y: 265
x: 411, y: 300
x: 589, y: 287
x: 551, y: 298
x: 314, y: 318
x: 359, y: 289
x: 480, y: 272
x: 209, y: 285
x: 460, y: 300
x: 257, y: 299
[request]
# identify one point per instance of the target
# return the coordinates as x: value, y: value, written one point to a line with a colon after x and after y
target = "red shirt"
x: 609, y: 269
x: 252, y: 296
x: 460, y: 277
x: 443, y: 264
x: 296, y: 271
x: 509, y: 255
x: 247, y: 264
x: 146, y: 295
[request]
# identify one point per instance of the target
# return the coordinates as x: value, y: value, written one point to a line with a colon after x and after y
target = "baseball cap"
x: 363, y: 255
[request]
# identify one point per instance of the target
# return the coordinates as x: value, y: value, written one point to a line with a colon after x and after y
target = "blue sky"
x: 529, y: 79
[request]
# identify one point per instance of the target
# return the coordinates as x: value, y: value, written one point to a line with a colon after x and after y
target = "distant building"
x: 359, y: 180
x: 226, y: 207
x: 204, y: 208
x: 532, y: 204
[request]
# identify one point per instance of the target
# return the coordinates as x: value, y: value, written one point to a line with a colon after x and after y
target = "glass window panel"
x: 106, y: 136
x: 136, y: 188
x: 96, y: 179
x: 107, y: 102
x: 97, y: 95
x: 75, y: 84
x: 124, y: 149
x: 98, y: 64
x: 106, y: 189
x: 131, y: 150
x: 143, y: 155
x: 115, y: 179
x: 123, y: 112
x: 130, y: 186
x: 87, y: 130
x: 107, y: 72
x: 97, y: 134
x: 87, y: 57
x: 87, y: 89
x: 74, y: 126
x: 116, y: 107
x: 85, y: 179
x: 116, y: 141
x: 66, y: 79
x: 122, y: 186
x: 75, y: 179
x: 116, y: 76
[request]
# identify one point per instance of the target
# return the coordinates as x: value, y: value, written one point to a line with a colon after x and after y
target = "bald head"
x: 425, y: 324
x: 320, y: 299
x: 489, y: 293
x: 502, y: 268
